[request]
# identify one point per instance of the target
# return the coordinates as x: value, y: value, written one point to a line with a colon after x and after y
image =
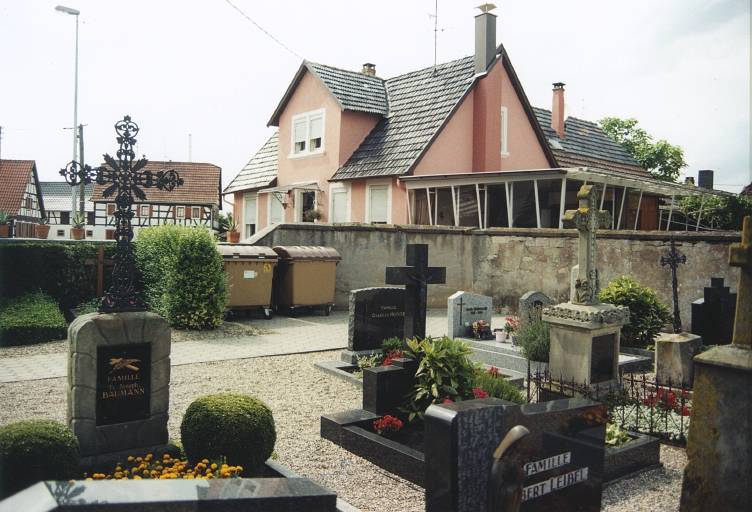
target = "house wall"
x: 353, y: 128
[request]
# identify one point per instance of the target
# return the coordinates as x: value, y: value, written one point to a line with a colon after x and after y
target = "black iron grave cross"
x: 673, y: 258
x: 416, y: 277
x: 126, y: 180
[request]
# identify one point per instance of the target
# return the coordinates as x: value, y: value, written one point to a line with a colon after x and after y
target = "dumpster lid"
x: 307, y: 252
x: 255, y: 252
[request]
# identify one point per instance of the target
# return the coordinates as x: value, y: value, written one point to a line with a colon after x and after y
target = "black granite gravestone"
x: 602, y: 358
x: 713, y: 315
x: 416, y: 276
x: 563, y: 454
x: 376, y: 314
x: 123, y: 383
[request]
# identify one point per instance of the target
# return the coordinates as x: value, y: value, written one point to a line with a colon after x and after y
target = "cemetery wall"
x: 505, y: 263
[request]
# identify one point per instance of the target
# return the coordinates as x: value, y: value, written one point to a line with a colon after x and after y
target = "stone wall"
x: 505, y: 263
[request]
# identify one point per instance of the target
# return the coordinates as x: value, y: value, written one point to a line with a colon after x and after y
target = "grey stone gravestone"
x: 713, y: 315
x: 562, y: 457
x: 674, y: 358
x: 531, y: 306
x: 118, y: 383
x: 376, y: 314
x: 464, y: 308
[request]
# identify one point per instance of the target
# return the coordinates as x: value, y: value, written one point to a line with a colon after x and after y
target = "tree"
x: 663, y: 160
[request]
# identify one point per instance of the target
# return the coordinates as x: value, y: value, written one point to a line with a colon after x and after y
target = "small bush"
x: 647, y: 314
x: 35, y: 450
x: 535, y: 340
x: 497, y: 386
x: 183, y: 275
x: 239, y: 428
x: 31, y: 318
x: 391, y: 344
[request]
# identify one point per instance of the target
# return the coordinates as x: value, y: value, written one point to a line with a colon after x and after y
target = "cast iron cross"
x: 672, y: 259
x: 587, y: 221
x: 416, y: 276
x: 125, y: 179
x: 740, y: 255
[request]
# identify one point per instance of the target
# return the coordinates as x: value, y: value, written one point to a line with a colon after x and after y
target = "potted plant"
x: 42, y: 230
x: 311, y: 215
x: 233, y: 235
x: 4, y: 224
x: 77, y: 231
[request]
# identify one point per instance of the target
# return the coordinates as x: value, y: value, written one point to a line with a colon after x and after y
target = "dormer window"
x: 308, y: 133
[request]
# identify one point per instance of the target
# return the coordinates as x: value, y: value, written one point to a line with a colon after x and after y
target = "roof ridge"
x: 344, y: 70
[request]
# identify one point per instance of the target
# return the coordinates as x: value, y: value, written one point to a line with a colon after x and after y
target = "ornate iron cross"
x: 416, y: 276
x: 740, y: 255
x: 587, y: 221
x: 672, y: 259
x: 126, y: 180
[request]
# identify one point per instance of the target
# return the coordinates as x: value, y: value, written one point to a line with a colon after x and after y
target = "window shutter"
x: 339, y: 206
x: 316, y: 132
x: 299, y: 135
x: 378, y: 204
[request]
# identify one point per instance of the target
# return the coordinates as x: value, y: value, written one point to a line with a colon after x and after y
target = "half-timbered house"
x: 57, y: 205
x: 20, y: 196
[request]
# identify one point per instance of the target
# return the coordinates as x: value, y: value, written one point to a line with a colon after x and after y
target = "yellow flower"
x: 214, y: 466
x: 136, y: 477
x: 130, y: 458
x: 205, y: 461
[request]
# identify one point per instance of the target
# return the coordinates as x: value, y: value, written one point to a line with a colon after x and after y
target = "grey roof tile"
x: 353, y: 90
x: 57, y: 196
x: 261, y: 169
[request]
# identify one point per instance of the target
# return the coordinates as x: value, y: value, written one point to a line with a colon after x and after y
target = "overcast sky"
x: 681, y: 67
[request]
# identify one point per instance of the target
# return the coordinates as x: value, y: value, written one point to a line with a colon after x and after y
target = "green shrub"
x: 238, y: 427
x: 444, y: 371
x: 183, y: 275
x: 36, y: 450
x: 726, y: 212
x: 497, y: 386
x: 391, y: 344
x: 647, y: 314
x: 31, y: 318
x: 535, y: 341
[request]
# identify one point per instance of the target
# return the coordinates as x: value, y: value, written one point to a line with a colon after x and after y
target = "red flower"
x: 494, y: 371
x: 685, y: 411
x: 479, y: 393
x: 391, y: 356
x: 651, y: 400
x: 387, y: 424
x: 447, y: 400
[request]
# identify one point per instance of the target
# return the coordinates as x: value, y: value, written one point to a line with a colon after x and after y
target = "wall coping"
x: 23, y: 241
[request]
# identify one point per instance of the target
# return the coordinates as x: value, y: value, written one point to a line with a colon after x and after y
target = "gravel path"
x: 298, y: 395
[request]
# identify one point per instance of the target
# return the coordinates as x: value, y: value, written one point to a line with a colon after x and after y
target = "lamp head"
x: 67, y: 10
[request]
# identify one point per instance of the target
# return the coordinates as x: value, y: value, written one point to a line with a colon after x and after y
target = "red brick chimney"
x: 557, y: 111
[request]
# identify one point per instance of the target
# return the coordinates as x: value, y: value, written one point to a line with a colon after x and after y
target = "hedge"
x: 31, y: 318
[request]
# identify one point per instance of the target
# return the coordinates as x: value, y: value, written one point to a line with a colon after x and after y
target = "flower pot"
x: 233, y: 237
x: 501, y: 336
x: 4, y: 230
x: 42, y: 230
x: 78, y: 233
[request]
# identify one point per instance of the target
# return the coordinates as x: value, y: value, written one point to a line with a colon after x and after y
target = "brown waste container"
x: 305, y: 277
x: 250, y: 272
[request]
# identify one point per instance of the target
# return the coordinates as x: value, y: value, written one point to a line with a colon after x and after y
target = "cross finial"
x: 740, y: 255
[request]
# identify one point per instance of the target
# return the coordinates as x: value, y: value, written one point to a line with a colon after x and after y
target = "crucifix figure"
x: 416, y: 276
x: 740, y: 255
x: 126, y: 180
x: 587, y: 220
x: 673, y: 258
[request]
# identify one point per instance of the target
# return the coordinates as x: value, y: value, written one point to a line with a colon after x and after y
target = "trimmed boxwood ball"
x: 238, y: 427
x: 35, y: 450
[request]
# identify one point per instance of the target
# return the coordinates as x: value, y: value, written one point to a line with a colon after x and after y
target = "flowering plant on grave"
x: 667, y: 401
x: 391, y: 356
x: 387, y: 425
x: 512, y: 324
x: 481, y: 329
x: 479, y: 393
x: 167, y: 468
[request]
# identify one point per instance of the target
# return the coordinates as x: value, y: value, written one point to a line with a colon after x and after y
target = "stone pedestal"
x: 118, y: 383
x: 719, y: 449
x: 673, y: 358
x: 585, y: 342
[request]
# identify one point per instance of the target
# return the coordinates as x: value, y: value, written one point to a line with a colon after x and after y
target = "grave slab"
x: 464, y: 308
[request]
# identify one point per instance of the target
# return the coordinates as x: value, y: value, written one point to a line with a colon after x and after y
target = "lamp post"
x: 74, y: 12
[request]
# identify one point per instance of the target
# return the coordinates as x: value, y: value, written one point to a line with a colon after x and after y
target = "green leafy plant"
x: 647, y: 314
x: 535, y: 341
x: 615, y: 436
x: 495, y: 385
x: 43, y: 221
x: 238, y: 427
x: 78, y: 220
x: 89, y: 306
x: 232, y: 224
x: 35, y: 450
x: 445, y: 371
x: 726, y: 212
x: 31, y: 318
x: 364, y: 362
x: 392, y: 344
x: 4, y: 217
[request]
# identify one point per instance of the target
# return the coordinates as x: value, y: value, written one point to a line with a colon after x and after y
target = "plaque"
x: 123, y: 383
x: 602, y: 359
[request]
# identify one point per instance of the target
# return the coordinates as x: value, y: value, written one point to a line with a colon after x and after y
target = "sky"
x: 199, y: 77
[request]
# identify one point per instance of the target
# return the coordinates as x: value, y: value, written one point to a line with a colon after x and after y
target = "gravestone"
x: 464, y: 308
x: 561, y: 459
x: 416, y: 277
x: 376, y: 314
x: 531, y: 306
x: 673, y: 259
x: 118, y: 383
x: 674, y: 353
x: 713, y: 315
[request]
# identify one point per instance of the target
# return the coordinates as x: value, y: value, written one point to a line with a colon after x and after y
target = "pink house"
x: 456, y: 144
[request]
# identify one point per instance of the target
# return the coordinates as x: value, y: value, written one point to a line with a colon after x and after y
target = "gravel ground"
x: 298, y: 395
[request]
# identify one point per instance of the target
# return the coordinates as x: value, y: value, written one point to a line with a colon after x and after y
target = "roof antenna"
x: 436, y: 31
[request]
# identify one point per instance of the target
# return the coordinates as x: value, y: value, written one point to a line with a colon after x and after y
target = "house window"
x: 90, y: 220
x: 89, y: 233
x: 60, y: 232
x: 144, y: 210
x: 306, y: 203
x: 29, y: 204
x: 249, y: 214
x: 378, y: 204
x: 504, y: 131
x: 180, y: 212
x: 64, y: 218
x: 196, y: 212
x: 276, y: 210
x: 308, y: 133
x: 338, y: 208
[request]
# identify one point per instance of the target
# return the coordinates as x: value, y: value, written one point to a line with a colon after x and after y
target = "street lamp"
x: 74, y: 12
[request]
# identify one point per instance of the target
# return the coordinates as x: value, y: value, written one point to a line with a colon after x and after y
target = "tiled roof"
x: 260, y: 171
x: 353, y: 90
x: 57, y: 196
x: 584, y: 142
x: 419, y: 103
x: 747, y: 191
x: 201, y: 184
x: 14, y: 176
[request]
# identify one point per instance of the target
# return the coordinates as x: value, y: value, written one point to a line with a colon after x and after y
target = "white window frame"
x: 307, y: 117
x: 178, y: 210
x: 196, y: 212
x: 299, y: 202
x: 379, y: 183
x: 141, y: 210
x: 504, y: 131
x: 270, y: 197
x: 336, y: 188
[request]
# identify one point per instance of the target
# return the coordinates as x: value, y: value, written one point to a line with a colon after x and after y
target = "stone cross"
x: 740, y: 255
x: 126, y: 181
x: 672, y: 259
x: 586, y: 220
x: 416, y: 276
